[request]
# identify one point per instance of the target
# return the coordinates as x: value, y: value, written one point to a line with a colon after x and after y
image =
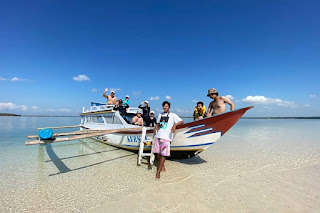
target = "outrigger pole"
x: 80, y: 135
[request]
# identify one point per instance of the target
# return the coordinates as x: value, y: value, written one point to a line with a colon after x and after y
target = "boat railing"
x: 133, y: 110
x: 98, y: 108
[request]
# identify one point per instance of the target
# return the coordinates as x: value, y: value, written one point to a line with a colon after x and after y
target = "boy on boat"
x: 112, y: 100
x: 218, y: 105
x: 137, y: 120
x: 199, y: 111
x: 166, y: 126
x: 152, y: 121
x: 122, y: 109
x: 126, y: 101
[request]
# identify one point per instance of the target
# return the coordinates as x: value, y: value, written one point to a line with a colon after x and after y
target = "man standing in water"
x: 166, y: 126
x: 218, y: 105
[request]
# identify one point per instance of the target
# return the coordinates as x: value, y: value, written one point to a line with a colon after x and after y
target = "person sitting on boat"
x: 126, y: 101
x: 122, y: 109
x: 199, y: 111
x: 218, y: 105
x: 138, y: 120
x: 112, y: 100
x: 145, y: 109
x: 152, y: 121
x: 166, y: 126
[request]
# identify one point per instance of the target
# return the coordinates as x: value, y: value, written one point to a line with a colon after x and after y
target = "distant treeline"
x: 8, y: 114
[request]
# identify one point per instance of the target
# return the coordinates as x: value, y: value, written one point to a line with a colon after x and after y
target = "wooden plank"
x: 79, y: 132
x: 100, y: 133
x: 61, y: 127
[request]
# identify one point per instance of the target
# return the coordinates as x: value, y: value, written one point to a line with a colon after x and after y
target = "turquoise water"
x: 82, y: 175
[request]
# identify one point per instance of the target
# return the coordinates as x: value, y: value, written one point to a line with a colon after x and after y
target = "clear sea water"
x: 258, y: 166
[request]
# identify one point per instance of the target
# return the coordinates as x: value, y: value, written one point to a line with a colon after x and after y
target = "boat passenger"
x: 122, y: 109
x: 145, y: 109
x: 112, y: 100
x: 218, y: 105
x: 152, y: 121
x: 166, y: 126
x: 126, y: 101
x: 138, y: 120
x: 199, y: 111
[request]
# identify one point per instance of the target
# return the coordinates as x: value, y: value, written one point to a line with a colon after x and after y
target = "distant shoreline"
x: 10, y: 114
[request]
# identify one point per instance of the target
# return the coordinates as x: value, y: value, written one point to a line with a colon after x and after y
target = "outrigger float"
x: 106, y: 125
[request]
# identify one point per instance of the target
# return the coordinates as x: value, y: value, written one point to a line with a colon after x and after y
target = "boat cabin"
x: 103, y: 116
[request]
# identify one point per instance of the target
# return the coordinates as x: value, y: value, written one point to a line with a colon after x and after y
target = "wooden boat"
x: 192, y: 137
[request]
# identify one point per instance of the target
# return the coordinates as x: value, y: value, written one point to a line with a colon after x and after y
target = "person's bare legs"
x: 161, y: 165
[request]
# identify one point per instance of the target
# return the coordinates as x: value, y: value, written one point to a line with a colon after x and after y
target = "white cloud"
x: 12, y: 106
x: 17, y: 79
x: 264, y: 100
x: 168, y: 97
x: 34, y: 107
x: 136, y: 93
x: 81, y: 78
x: 3, y: 79
x: 195, y: 101
x: 312, y: 95
x: 154, y: 98
x: 307, y: 105
x: 115, y: 89
x: 230, y: 97
x: 94, y: 90
x: 64, y: 110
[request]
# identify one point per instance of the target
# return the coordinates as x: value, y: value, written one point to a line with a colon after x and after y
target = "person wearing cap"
x: 126, y: 101
x: 112, y: 100
x: 137, y: 120
x: 218, y: 105
x: 152, y: 121
x: 145, y: 109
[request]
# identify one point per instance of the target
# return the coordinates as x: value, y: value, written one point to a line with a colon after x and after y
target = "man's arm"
x: 173, y: 129
x: 228, y: 101
x: 104, y: 94
x: 209, y: 110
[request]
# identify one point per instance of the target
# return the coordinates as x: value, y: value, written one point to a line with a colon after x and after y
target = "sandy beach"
x: 248, y: 170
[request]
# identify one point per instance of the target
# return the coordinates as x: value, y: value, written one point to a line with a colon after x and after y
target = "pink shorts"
x: 161, y: 146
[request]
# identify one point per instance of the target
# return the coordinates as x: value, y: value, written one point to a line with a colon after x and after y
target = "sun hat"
x: 211, y: 91
x: 127, y: 96
x: 113, y: 92
x: 146, y: 102
x: 152, y: 112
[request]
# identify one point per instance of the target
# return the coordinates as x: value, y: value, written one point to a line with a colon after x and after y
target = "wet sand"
x: 248, y: 170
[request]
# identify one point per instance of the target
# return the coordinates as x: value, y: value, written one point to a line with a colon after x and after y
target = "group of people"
x: 166, y: 123
x: 144, y: 116
x: 217, y: 106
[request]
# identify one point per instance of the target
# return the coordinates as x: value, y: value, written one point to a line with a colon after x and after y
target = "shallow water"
x: 257, y: 166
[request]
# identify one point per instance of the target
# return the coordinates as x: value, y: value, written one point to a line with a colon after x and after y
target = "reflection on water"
x: 259, y: 165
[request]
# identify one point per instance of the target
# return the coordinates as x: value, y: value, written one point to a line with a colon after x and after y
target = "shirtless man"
x: 137, y: 120
x: 112, y: 100
x: 218, y: 105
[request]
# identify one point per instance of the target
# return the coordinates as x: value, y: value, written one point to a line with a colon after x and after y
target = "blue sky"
x: 261, y: 53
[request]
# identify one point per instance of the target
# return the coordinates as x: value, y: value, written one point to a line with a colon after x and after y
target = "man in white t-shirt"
x: 166, y: 126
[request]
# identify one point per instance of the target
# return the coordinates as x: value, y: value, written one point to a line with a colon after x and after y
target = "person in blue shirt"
x: 126, y: 101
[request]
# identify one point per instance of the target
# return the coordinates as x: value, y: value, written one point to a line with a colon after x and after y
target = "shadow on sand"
x: 191, y: 161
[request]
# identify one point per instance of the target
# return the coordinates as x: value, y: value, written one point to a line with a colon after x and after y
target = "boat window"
x: 108, y: 118
x: 116, y: 120
x: 100, y: 120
